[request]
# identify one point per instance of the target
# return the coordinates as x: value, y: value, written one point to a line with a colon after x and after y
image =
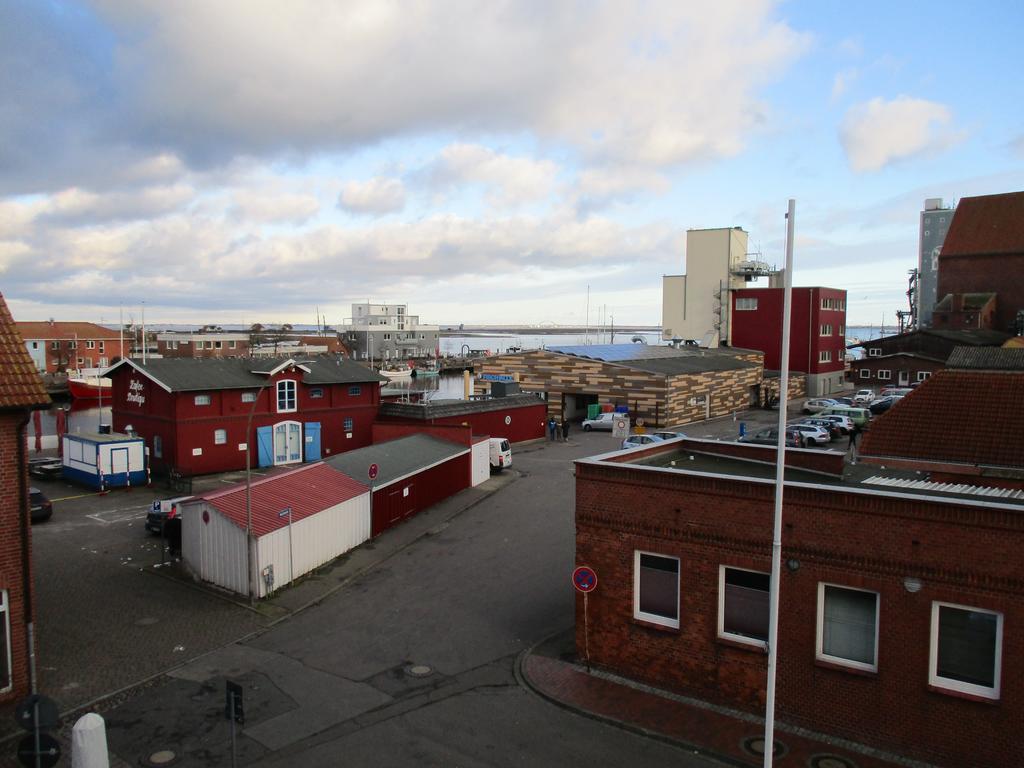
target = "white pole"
x: 780, y: 468
x: 120, y: 333
x: 143, y: 333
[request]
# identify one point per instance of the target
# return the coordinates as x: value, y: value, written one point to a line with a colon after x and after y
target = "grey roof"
x: 987, y: 358
x: 105, y: 437
x: 666, y: 360
x: 435, y: 409
x: 972, y: 336
x: 395, y: 458
x: 193, y: 374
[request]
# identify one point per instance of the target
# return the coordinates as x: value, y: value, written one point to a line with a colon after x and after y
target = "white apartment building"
x: 384, y: 332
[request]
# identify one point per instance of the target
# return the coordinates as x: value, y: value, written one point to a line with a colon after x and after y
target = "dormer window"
x: 286, y: 396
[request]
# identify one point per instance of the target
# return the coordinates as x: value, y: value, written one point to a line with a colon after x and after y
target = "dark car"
x: 41, y: 507
x: 844, y: 400
x: 771, y: 437
x: 827, y: 424
x: 883, y: 404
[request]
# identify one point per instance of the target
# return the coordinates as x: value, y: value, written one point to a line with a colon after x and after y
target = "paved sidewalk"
x: 735, y: 738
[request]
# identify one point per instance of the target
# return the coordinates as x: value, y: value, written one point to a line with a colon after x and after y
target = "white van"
x: 501, y: 454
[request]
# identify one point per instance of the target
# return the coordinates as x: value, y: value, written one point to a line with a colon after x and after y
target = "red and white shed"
x: 301, y: 519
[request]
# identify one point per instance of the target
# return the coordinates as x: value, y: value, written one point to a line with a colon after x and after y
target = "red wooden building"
x: 518, y: 417
x: 817, y: 340
x: 193, y: 414
x: 21, y: 392
x: 901, y: 599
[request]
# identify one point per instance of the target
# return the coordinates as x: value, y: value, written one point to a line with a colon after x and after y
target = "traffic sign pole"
x: 584, y: 578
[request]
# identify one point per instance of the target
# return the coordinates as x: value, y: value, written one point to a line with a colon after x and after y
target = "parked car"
x: 859, y: 416
x: 862, y: 397
x: 843, y: 400
x: 845, y: 423
x: 818, y: 404
x: 41, y: 507
x: 636, y: 441
x: 901, y: 391
x: 163, y: 511
x: 827, y: 424
x: 883, y: 404
x: 813, y: 435
x: 668, y: 435
x: 794, y: 438
x: 603, y: 421
x: 500, y: 453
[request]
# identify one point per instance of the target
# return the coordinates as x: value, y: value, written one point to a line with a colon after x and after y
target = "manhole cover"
x: 755, y: 746
x: 161, y: 757
x: 418, y: 670
x: 146, y: 622
x: 831, y: 761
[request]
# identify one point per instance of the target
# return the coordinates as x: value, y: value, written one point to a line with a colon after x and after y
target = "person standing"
x: 552, y: 427
x: 854, y: 434
x: 565, y: 429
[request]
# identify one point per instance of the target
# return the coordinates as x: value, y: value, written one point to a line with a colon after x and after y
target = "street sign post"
x: 584, y: 578
x: 38, y: 752
x: 620, y: 426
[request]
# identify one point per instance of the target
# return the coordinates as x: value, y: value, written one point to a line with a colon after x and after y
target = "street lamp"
x: 248, y: 492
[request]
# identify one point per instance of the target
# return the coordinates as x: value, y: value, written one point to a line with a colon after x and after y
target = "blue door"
x: 265, y: 446
x: 312, y: 429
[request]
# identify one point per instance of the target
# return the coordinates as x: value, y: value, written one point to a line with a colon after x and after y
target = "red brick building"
x: 205, y: 345
x: 21, y: 392
x: 193, y: 413
x: 984, y: 253
x: 817, y: 341
x: 900, y: 602
x: 57, y: 347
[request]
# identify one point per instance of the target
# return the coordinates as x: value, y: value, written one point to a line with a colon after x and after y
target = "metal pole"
x: 780, y: 469
x: 234, y: 756
x: 248, y: 494
x: 291, y: 549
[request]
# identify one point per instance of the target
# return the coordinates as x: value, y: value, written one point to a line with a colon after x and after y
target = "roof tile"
x: 20, y: 383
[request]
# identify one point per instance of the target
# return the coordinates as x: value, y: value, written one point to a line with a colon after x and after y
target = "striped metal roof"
x: 927, y: 485
x: 306, y: 490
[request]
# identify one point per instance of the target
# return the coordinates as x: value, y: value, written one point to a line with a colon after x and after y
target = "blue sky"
x: 484, y: 163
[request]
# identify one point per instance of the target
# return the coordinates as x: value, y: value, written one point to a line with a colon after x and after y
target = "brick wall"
x: 11, y: 472
x: 967, y: 555
x: 973, y: 273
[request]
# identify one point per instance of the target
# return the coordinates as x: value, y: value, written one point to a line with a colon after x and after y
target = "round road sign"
x: 372, y: 471
x: 508, y: 420
x: 584, y: 579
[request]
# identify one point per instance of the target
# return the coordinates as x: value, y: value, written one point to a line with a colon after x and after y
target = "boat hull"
x: 84, y: 389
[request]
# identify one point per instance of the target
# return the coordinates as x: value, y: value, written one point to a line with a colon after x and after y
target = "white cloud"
x: 82, y: 206
x: 374, y: 196
x: 842, y: 81
x: 509, y: 180
x: 877, y: 133
x: 258, y: 206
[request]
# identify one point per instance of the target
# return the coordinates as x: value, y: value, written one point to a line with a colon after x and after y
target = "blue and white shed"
x: 104, y: 461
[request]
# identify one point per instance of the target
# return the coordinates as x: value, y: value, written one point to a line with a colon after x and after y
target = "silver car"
x: 816, y: 404
x: 637, y: 441
x: 812, y: 434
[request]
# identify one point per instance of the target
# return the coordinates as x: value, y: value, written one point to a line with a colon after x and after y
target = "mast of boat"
x: 120, y: 332
x: 143, y: 333
x: 586, y: 326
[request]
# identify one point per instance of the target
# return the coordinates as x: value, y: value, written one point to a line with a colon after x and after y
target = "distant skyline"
x: 237, y: 162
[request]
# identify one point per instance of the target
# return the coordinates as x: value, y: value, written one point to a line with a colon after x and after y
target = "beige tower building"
x: 695, y: 306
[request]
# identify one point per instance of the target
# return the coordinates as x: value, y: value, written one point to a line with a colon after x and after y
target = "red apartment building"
x: 901, y: 597
x: 203, y: 345
x: 21, y: 392
x: 193, y: 414
x: 57, y: 347
x: 817, y: 332
x: 983, y: 254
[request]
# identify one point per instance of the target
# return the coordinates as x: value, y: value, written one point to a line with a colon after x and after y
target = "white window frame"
x: 220, y: 437
x: 825, y: 356
x: 746, y: 303
x: 202, y: 400
x: 957, y: 685
x: 282, y: 384
x: 722, y: 633
x: 5, y: 627
x: 249, y: 397
x: 826, y: 329
x: 653, y: 618
x: 54, y: 345
x: 924, y: 375
x: 819, y: 653
x: 865, y: 373
x: 231, y: 345
x: 316, y: 393
x: 874, y: 351
x: 354, y: 390
x: 884, y: 374
x: 90, y: 345
x: 348, y: 424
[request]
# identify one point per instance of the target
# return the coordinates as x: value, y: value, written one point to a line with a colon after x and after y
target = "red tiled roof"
x: 986, y: 224
x: 20, y: 383
x: 961, y: 416
x: 307, y: 490
x: 36, y: 329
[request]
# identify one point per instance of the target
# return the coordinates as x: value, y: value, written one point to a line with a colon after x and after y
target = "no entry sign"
x: 372, y: 471
x: 584, y: 579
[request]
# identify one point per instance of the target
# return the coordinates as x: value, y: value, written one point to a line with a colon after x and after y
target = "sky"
x: 247, y: 161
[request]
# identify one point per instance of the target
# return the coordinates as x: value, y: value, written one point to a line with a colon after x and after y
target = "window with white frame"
x: 826, y: 329
x: 6, y: 682
x: 217, y: 344
x: 842, y: 330
x: 347, y: 426
x: 922, y: 375
x: 966, y: 649
x: 743, y: 605
x: 825, y: 356
x: 884, y: 374
x: 865, y: 373
x: 656, y: 588
x: 202, y: 399
x: 90, y: 345
x: 231, y: 345
x: 220, y: 436
x: 874, y: 352
x: 248, y: 397
x: 54, y: 345
x: 746, y: 304
x: 848, y: 626
x: 101, y: 346
x: 286, y: 395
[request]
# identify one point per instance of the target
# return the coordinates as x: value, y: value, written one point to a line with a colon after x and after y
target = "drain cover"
x: 418, y: 670
x: 755, y: 746
x: 161, y: 757
x: 831, y: 761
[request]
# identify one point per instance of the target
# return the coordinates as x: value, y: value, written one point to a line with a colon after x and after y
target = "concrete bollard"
x: 89, y: 743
